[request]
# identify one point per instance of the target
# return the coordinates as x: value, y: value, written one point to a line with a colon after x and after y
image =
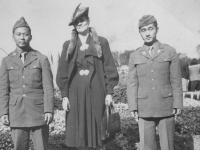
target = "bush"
x: 188, y: 122
x: 186, y: 126
x: 119, y: 95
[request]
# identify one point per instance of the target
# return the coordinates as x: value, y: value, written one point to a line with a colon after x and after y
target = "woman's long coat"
x: 103, y: 76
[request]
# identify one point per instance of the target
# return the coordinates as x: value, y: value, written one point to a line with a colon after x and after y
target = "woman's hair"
x: 194, y: 61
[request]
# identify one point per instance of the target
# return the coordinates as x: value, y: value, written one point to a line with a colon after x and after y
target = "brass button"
x: 24, y: 95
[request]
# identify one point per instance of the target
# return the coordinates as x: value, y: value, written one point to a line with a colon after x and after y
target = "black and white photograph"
x: 100, y: 75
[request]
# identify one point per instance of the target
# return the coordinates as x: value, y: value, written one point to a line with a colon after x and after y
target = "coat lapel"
x: 30, y: 58
x: 72, y: 60
x: 16, y: 59
x: 159, y: 50
x: 145, y: 53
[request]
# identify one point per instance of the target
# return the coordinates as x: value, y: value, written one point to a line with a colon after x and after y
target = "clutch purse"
x: 110, y: 124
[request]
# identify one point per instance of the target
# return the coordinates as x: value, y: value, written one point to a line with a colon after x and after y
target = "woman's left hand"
x: 108, y: 100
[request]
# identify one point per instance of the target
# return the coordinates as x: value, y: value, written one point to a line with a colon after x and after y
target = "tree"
x: 198, y: 49
x: 116, y: 58
x: 124, y: 57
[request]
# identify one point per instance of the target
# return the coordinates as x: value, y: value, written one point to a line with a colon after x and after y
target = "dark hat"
x: 146, y: 20
x: 78, y: 13
x: 21, y: 23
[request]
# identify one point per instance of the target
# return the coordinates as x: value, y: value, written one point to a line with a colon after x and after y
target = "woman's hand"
x: 108, y: 100
x: 65, y: 104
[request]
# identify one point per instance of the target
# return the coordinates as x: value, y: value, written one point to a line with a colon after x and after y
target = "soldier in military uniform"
x: 26, y: 92
x: 154, y: 87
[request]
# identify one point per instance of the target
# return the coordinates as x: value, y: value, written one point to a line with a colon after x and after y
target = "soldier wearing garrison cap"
x: 26, y: 92
x: 154, y: 88
x: 86, y: 77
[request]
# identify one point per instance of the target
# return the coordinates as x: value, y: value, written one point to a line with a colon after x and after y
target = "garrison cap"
x: 78, y: 13
x: 146, y: 20
x: 21, y: 23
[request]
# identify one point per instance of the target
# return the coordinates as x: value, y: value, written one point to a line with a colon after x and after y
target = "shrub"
x: 119, y: 95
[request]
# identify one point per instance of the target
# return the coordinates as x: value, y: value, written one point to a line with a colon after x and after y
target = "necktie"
x: 151, y: 51
x: 23, y: 56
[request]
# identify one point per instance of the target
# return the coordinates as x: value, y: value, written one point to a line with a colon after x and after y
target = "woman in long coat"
x: 86, y: 77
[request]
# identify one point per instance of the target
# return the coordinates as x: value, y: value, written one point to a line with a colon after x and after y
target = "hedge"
x: 186, y: 126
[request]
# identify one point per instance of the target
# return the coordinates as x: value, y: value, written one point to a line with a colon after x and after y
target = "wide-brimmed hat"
x: 146, y: 20
x: 78, y: 13
x: 21, y: 23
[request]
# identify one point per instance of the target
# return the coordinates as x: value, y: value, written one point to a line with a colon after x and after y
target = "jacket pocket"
x: 142, y: 93
x: 167, y: 91
x: 164, y: 64
x: 140, y: 67
x: 36, y: 72
x: 13, y: 72
x: 13, y: 101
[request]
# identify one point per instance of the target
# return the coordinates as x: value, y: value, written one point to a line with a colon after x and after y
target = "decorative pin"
x: 34, y: 67
x: 165, y: 59
x: 84, y: 47
x: 11, y: 67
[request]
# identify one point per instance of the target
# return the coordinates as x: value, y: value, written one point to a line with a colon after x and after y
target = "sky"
x: 117, y: 20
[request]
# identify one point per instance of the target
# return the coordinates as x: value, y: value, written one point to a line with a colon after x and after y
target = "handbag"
x: 110, y: 124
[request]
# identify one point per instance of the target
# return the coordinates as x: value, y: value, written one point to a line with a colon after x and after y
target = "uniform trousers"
x: 147, y: 131
x: 39, y: 135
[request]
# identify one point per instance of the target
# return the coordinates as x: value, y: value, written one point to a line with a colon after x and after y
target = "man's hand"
x: 134, y: 114
x: 48, y: 118
x: 65, y: 104
x: 5, y: 120
x: 108, y: 100
x: 177, y: 112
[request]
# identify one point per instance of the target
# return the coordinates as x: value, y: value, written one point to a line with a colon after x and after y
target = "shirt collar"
x: 19, y: 51
x: 155, y: 46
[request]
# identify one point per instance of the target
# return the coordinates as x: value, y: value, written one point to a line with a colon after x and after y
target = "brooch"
x: 84, y: 47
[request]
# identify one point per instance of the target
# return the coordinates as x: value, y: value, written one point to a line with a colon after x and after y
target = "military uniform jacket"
x: 154, y: 83
x: 26, y: 90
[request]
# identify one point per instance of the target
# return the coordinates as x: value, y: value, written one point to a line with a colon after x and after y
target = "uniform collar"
x: 19, y: 51
x: 159, y: 48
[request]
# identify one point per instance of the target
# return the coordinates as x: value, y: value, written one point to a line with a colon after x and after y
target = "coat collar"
x: 159, y: 49
x: 15, y: 57
x: 90, y: 52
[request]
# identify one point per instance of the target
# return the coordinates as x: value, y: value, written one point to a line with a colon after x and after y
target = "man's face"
x: 22, y: 37
x: 148, y: 33
x: 82, y: 25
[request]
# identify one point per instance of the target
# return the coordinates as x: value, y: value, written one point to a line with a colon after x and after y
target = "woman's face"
x: 82, y: 25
